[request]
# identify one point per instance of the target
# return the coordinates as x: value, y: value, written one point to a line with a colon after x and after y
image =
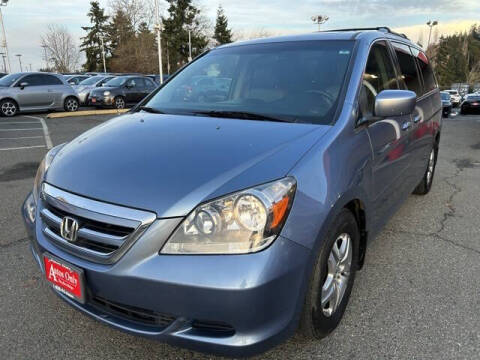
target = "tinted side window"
x: 408, y: 68
x: 429, y: 81
x: 132, y: 83
x: 50, y: 80
x: 379, y: 75
x: 150, y: 84
x: 32, y: 80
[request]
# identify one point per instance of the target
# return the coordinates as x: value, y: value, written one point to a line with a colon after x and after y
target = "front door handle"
x: 406, y: 125
x: 416, y: 119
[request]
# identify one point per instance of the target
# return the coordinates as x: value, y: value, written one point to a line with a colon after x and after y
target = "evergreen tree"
x: 183, y: 16
x: 222, y: 35
x: 120, y: 29
x: 91, y: 43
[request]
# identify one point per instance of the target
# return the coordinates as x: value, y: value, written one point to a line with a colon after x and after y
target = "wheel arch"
x: 11, y: 99
x: 357, y: 207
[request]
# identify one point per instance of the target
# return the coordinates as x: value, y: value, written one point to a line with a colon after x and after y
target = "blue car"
x: 222, y: 220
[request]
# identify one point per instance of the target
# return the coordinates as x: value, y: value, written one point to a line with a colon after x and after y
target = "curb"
x: 86, y: 113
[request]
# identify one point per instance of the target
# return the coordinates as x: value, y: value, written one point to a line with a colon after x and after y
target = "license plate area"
x: 94, y: 100
x: 64, y: 277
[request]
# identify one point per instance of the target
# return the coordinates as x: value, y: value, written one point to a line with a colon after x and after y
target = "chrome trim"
x: 113, y: 214
x: 76, y: 205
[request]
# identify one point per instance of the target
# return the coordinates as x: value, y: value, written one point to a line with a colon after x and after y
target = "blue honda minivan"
x: 235, y: 204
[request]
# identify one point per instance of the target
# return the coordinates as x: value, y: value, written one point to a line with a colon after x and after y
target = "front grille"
x: 132, y: 313
x: 104, y: 230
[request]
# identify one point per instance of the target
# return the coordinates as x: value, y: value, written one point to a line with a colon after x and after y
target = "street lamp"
x: 320, y: 19
x: 4, y: 44
x: 20, y: 61
x: 431, y: 24
x: 4, y: 64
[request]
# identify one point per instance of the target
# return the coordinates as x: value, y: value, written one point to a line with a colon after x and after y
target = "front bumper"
x: 100, y: 100
x: 234, y: 305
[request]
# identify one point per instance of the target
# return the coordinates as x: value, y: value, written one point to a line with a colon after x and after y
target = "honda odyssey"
x: 224, y: 217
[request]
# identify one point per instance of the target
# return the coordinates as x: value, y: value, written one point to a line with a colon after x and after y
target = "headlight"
x: 244, y: 222
x: 106, y: 93
x: 42, y: 169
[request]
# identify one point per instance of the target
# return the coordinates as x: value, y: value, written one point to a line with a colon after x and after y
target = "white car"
x: 455, y: 97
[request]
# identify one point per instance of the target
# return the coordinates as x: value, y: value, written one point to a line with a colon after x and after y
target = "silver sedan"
x: 36, y: 91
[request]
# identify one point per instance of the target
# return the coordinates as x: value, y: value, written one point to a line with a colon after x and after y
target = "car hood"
x: 170, y: 163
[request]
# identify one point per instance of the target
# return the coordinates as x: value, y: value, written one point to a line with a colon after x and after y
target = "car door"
x: 131, y: 91
x: 389, y: 137
x: 57, y: 88
x: 34, y: 95
x: 411, y: 80
x: 430, y: 105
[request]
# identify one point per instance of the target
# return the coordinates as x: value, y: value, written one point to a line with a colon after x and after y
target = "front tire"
x: 71, y: 104
x: 332, y: 279
x: 119, y: 102
x: 425, y: 184
x: 8, y: 108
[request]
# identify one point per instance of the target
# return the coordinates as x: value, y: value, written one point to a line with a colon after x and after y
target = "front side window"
x: 408, y: 68
x: 50, y: 80
x: 379, y: 75
x: 297, y: 81
x: 33, y: 80
x: 115, y: 82
x: 429, y: 81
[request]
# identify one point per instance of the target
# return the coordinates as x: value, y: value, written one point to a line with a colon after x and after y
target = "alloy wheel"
x: 338, y: 273
x: 71, y: 105
x: 119, y: 103
x: 9, y: 108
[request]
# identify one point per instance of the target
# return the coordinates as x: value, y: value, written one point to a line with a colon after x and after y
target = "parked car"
x: 455, y: 97
x: 83, y: 88
x: 35, y: 91
x: 2, y: 75
x: 470, y: 104
x: 76, y: 79
x: 222, y: 224
x: 446, y: 104
x: 122, y: 91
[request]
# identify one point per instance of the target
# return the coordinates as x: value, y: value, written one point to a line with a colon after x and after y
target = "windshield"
x: 119, y: 81
x: 91, y: 80
x: 9, y: 79
x: 292, y: 81
x: 445, y: 96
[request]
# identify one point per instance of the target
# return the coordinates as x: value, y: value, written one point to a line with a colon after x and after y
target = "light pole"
x: 103, y: 54
x: 430, y: 24
x: 4, y: 64
x: 4, y: 44
x: 45, y: 47
x: 320, y: 19
x: 189, y: 45
x: 158, y: 28
x: 20, y: 61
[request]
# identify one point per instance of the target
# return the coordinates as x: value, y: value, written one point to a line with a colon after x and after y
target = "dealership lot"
x: 417, y: 296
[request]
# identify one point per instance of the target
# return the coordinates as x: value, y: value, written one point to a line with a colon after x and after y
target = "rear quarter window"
x: 429, y: 81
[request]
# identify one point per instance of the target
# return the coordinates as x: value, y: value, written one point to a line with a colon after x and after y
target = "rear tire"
x: 8, y: 108
x: 323, y: 310
x: 119, y: 102
x: 71, y: 104
x: 425, y: 184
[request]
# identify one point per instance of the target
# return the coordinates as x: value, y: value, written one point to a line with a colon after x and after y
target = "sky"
x: 26, y: 20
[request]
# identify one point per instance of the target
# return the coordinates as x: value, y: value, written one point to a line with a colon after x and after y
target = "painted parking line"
x: 46, y: 134
x: 24, y: 147
x: 21, y: 138
x: 18, y: 122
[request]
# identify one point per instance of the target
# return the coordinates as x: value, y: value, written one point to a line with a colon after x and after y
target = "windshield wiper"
x: 151, y: 110
x: 240, y: 115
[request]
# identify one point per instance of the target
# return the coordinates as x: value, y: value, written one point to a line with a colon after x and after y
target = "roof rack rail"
x: 384, y: 29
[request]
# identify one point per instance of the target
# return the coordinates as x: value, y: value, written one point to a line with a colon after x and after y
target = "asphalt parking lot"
x: 417, y: 297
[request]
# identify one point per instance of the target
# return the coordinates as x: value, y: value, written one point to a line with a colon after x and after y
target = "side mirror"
x: 395, y: 103
x: 23, y: 85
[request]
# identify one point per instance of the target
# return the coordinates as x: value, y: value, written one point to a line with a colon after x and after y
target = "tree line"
x: 456, y: 58
x: 129, y: 37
